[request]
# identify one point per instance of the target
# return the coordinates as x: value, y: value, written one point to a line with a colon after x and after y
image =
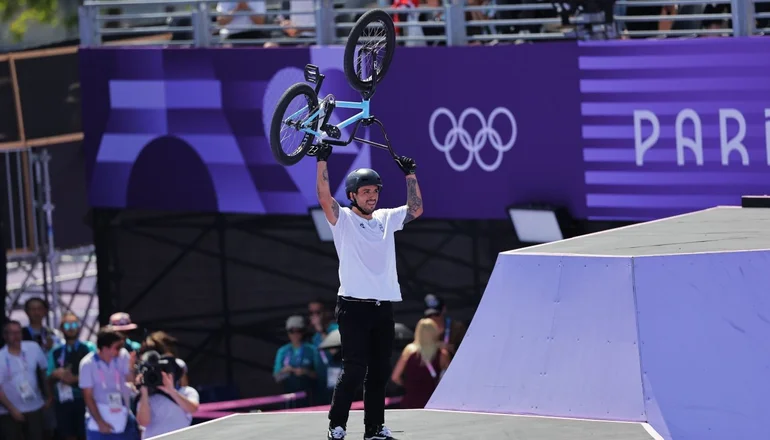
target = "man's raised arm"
x: 413, y: 194
x: 330, y: 206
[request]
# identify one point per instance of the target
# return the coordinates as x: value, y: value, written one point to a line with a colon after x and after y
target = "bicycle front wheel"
x: 288, y: 142
x: 369, y: 48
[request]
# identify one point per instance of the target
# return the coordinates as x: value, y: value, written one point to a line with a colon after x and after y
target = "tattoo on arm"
x: 413, y: 201
x: 324, y: 181
x: 336, y: 208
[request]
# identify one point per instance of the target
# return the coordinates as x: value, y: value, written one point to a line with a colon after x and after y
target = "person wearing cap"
x: 121, y: 322
x: 451, y: 331
x: 296, y: 363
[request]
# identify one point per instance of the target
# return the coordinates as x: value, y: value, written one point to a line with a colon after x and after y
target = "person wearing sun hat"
x: 122, y: 323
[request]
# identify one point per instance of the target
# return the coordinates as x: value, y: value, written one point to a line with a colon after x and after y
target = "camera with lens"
x: 152, y: 364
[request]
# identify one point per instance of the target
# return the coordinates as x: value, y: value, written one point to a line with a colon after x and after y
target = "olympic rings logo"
x: 474, y: 144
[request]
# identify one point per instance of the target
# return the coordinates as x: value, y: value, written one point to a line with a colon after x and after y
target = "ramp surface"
x: 704, y: 322
x: 412, y: 425
x: 553, y: 336
x: 720, y: 229
x: 679, y: 340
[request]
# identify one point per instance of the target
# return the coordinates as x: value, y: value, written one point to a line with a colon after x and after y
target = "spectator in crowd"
x: 296, y: 363
x: 421, y: 365
x: 660, y: 24
x: 37, y: 311
x: 22, y: 382
x: 321, y: 325
x: 321, y: 321
x: 329, y: 370
x: 717, y: 23
x: 63, y: 371
x: 103, y: 377
x: 121, y: 323
x: 167, y: 407
x: 301, y: 20
x: 235, y: 27
x: 451, y: 331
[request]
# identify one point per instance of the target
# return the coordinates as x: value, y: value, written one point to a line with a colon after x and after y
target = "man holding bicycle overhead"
x: 365, y: 243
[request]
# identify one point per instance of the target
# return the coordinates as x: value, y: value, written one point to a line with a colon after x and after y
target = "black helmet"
x: 361, y: 177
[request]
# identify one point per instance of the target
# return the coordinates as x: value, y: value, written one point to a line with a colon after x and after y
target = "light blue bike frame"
x: 363, y: 114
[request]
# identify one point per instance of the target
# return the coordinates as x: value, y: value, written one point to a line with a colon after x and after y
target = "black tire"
x: 350, y: 48
x: 277, y: 124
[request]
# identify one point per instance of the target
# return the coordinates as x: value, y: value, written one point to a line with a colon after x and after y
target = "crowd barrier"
x: 201, y: 23
x: 216, y: 410
x: 616, y: 130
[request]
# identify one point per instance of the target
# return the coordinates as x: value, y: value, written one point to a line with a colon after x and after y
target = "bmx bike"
x: 293, y: 131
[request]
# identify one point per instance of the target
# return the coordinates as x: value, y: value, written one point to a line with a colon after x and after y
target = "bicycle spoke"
x: 373, y: 40
x: 290, y: 131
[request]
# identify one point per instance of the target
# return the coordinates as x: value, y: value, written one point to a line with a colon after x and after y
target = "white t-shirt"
x: 367, y: 253
x: 166, y: 416
x: 18, y: 377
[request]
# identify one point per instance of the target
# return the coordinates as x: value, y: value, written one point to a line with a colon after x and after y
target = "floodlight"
x: 538, y: 223
x: 322, y: 227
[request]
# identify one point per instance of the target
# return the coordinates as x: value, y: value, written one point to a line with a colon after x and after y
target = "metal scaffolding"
x: 66, y: 278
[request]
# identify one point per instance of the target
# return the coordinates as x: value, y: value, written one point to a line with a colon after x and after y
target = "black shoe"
x: 378, y: 433
x: 337, y: 433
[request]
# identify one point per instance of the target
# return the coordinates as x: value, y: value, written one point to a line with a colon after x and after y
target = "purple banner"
x: 672, y: 126
x: 613, y: 130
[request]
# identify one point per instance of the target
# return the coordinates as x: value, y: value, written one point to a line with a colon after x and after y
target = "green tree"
x: 21, y: 12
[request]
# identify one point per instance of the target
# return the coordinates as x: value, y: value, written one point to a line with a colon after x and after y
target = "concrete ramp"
x: 704, y: 327
x: 553, y: 335
x: 679, y: 341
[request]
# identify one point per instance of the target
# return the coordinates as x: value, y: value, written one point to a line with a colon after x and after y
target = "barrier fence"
x: 215, y: 410
x: 205, y: 23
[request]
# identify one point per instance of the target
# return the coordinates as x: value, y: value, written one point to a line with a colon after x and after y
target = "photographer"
x: 164, y: 404
x: 164, y: 343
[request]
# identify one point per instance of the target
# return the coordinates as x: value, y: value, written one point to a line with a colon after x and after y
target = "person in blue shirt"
x: 63, y: 370
x: 297, y: 363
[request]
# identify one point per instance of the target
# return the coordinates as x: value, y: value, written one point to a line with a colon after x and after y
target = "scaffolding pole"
x: 65, y: 278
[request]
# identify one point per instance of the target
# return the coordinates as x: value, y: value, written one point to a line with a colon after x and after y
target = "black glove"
x: 406, y: 164
x: 323, y: 152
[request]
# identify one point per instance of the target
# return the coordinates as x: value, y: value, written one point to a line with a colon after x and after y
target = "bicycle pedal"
x: 312, y: 73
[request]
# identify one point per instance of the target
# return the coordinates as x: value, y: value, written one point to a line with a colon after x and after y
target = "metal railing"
x: 207, y: 23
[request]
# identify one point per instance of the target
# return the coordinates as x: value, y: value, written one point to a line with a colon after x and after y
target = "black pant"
x: 367, y: 332
x: 30, y: 429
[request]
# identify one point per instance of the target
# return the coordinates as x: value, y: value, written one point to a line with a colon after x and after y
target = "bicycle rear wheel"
x: 370, y: 45
x: 288, y: 142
